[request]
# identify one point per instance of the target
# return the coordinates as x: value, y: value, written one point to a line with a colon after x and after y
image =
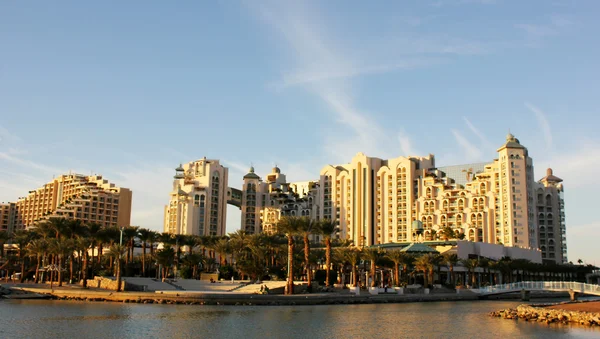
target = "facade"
x: 198, y: 201
x: 75, y: 196
x: 265, y: 202
x: 399, y: 200
x: 550, y: 214
x: 8, y: 213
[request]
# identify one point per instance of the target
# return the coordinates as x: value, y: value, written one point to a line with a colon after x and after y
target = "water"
x: 66, y: 319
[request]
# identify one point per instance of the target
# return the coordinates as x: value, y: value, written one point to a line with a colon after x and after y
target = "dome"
x: 251, y: 174
x: 179, y: 169
x: 276, y: 170
x: 510, y: 137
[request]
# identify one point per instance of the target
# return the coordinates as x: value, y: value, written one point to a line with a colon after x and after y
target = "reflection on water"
x: 61, y: 319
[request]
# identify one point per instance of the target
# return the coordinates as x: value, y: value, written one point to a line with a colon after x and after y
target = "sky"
x: 129, y: 89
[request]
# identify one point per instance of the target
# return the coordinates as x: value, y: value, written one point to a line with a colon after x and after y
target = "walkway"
x: 564, y: 286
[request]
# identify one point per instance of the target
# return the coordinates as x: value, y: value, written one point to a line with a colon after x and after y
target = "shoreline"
x: 216, y: 298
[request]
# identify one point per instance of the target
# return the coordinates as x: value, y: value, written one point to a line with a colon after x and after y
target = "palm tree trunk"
x: 22, y: 269
x: 143, y: 258
x: 306, y: 260
x: 452, y: 277
x: 59, y: 270
x: 397, y: 274
x: 327, y: 260
x: 373, y: 268
x: 354, y: 276
x: 119, y: 275
x: 37, y: 270
x: 71, y: 268
x: 290, y: 284
x: 84, y: 269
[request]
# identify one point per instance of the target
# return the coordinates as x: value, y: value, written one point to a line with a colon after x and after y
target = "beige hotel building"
x: 90, y: 199
x: 198, y: 201
x: 377, y: 201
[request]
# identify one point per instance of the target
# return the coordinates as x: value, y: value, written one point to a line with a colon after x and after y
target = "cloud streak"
x: 542, y: 122
x: 471, y: 151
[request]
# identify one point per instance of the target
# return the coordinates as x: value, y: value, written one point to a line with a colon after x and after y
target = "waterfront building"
x: 75, y: 196
x: 8, y: 213
x: 198, y: 200
x: 400, y: 200
x: 550, y: 213
x: 265, y: 202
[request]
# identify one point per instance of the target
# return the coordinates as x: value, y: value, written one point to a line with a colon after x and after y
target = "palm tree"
x: 3, y: 239
x: 165, y: 257
x: 21, y: 238
x: 307, y: 227
x: 398, y: 257
x: 94, y: 229
x: 37, y: 248
x: 144, y: 235
x: 192, y: 261
x: 222, y: 247
x: 451, y: 259
x: 60, y: 248
x: 290, y: 227
x: 84, y: 244
x: 426, y: 263
x: 352, y: 255
x: 326, y: 229
x: 116, y: 252
x: 471, y: 265
x: 373, y: 255
x: 129, y: 234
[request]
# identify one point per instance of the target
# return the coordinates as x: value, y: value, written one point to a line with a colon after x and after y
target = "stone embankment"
x: 548, y: 316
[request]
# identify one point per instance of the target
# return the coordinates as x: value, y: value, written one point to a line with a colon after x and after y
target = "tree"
x: 116, y: 252
x: 37, y: 248
x: 21, y: 238
x: 447, y: 233
x: 352, y: 255
x: 129, y: 234
x: 84, y: 244
x: 61, y: 248
x: 307, y: 227
x: 373, y: 255
x: 145, y: 236
x: 426, y: 264
x: 471, y: 265
x: 3, y: 239
x: 451, y: 259
x: 326, y: 229
x: 290, y: 227
x: 165, y: 257
x: 398, y: 257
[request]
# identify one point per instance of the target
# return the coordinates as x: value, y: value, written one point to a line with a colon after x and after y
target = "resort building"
x: 90, y: 199
x: 198, y: 203
x: 550, y: 213
x: 387, y: 201
x: 8, y: 213
x: 265, y: 202
x: 408, y: 199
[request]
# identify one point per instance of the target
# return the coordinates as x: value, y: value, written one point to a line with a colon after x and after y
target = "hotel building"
x: 198, y: 201
x: 265, y: 202
x: 406, y: 199
x: 74, y: 196
x: 378, y: 201
x: 7, y: 216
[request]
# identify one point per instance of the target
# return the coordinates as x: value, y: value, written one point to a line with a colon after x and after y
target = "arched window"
x: 459, y: 220
x: 428, y: 192
x: 472, y: 235
x: 548, y: 200
x: 482, y: 189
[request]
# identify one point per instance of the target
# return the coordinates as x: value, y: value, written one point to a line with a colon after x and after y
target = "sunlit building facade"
x: 91, y: 199
x: 198, y: 201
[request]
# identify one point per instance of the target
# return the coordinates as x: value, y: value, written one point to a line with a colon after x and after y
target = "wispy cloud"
x: 553, y: 26
x: 543, y: 123
x: 6, y: 156
x: 472, y: 152
x: 485, y: 142
x: 406, y: 144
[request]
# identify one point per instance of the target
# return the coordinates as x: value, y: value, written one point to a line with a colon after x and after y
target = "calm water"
x: 64, y: 319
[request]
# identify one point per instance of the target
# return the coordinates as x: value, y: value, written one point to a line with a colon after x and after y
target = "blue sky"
x: 130, y: 89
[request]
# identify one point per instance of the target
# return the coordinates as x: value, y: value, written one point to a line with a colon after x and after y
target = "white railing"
x: 542, y: 285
